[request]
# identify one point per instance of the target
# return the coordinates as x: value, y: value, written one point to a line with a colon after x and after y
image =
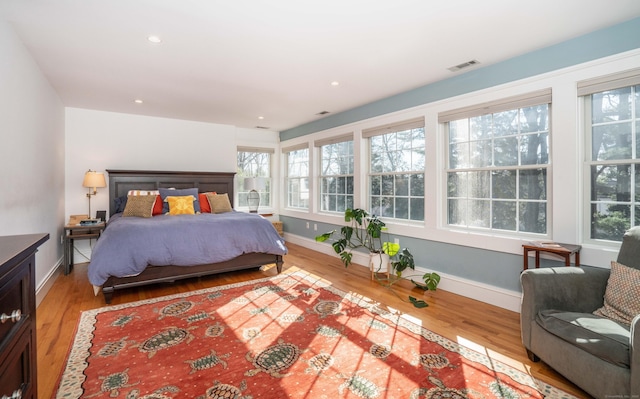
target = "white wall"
x: 101, y: 140
x: 31, y: 152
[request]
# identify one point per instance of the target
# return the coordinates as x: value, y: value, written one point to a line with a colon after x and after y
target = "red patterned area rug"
x: 289, y: 336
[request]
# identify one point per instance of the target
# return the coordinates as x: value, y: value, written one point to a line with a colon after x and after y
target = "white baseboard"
x: 492, y: 295
x: 43, y: 289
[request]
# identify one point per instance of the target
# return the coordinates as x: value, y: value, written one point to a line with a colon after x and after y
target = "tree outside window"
x: 254, y: 163
x: 396, y: 177
x: 497, y: 170
x: 614, y: 123
x: 298, y: 179
x: 336, y: 176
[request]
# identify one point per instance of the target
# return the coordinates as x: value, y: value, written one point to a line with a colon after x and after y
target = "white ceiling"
x: 231, y: 61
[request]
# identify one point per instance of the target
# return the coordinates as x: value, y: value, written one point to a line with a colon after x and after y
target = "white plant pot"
x: 379, y: 263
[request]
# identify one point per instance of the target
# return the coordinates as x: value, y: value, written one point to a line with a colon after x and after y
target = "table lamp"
x: 93, y: 179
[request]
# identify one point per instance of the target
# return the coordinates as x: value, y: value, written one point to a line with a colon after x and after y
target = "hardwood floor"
x: 485, y: 328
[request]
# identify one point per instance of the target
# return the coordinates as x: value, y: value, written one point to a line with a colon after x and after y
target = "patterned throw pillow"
x: 181, y: 205
x: 219, y: 203
x: 139, y: 206
x: 621, y: 302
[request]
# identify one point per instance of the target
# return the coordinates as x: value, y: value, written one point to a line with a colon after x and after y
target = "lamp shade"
x: 254, y: 183
x: 94, y: 179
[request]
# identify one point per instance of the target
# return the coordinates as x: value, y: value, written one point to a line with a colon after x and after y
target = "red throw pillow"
x: 204, y: 203
x: 157, y: 206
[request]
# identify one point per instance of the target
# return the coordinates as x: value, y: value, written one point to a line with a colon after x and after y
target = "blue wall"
x: 605, y: 42
x: 484, y: 266
x: 489, y: 267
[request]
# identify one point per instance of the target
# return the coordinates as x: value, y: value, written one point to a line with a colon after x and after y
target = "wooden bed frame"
x: 121, y: 181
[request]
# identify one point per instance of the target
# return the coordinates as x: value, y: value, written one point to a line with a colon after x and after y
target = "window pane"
x: 417, y: 185
x: 505, y: 123
x: 611, y: 141
x: 534, y: 149
x: 391, y: 190
x: 402, y: 208
x: 611, y: 182
x: 457, y: 211
x: 479, y: 184
x: 416, y: 208
x: 376, y: 185
x: 609, y: 222
x: 533, y: 184
x: 534, y: 119
x: 253, y: 164
x: 336, y: 175
x: 637, y: 183
x: 480, y: 154
x: 459, y: 130
x: 610, y: 106
x: 457, y: 184
x: 402, y: 185
x: 505, y: 151
x: 504, y: 184
x: 533, y: 217
x: 493, y: 156
x: 458, y: 155
x: 481, y: 127
x: 479, y: 213
x: 504, y: 215
x: 636, y: 89
x: 387, y: 185
x: 386, y: 206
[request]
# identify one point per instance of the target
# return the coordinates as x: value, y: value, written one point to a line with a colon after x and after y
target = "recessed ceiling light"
x: 335, y: 83
x: 261, y: 117
x: 137, y: 101
x: 154, y: 39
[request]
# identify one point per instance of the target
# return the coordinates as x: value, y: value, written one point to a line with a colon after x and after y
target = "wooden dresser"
x: 18, y: 315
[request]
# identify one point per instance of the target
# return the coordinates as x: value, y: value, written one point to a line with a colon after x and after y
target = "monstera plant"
x: 366, y: 231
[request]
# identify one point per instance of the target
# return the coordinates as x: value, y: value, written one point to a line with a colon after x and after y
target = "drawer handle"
x: 15, y: 317
x: 17, y: 394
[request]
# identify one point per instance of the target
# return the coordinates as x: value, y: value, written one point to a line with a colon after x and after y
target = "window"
x: 396, y: 176
x: 298, y: 178
x: 254, y: 162
x: 336, y: 174
x: 612, y: 111
x: 498, y: 155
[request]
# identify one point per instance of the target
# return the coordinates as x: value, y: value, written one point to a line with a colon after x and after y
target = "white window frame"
x: 586, y: 90
x: 266, y: 194
x: 397, y: 176
x: 518, y: 102
x: 299, y: 179
x: 346, y: 196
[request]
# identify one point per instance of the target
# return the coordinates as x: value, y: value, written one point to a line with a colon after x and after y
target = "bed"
x: 166, y: 262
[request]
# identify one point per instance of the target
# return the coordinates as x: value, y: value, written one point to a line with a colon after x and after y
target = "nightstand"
x: 74, y: 232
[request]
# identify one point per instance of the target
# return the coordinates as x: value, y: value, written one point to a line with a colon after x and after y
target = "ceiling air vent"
x: 322, y: 113
x: 463, y: 65
x: 262, y: 127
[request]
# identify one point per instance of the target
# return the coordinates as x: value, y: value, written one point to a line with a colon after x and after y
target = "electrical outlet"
x: 315, y: 227
x: 307, y: 224
x: 397, y: 241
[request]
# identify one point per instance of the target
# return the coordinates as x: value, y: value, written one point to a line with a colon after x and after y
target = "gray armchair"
x: 558, y: 326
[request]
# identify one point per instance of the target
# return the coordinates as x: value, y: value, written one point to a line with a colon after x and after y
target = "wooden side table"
x: 563, y: 250
x: 74, y: 232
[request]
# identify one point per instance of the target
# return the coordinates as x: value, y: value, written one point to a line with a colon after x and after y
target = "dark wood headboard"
x: 121, y: 181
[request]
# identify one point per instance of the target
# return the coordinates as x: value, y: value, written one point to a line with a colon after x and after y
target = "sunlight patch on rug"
x: 292, y: 335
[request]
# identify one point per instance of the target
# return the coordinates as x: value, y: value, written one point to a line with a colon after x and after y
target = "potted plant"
x: 366, y: 231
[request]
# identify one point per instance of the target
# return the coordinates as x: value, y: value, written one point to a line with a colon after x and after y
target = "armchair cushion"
x: 621, y: 302
x: 599, y: 336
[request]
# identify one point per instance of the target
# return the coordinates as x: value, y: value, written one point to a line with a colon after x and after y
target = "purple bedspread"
x: 129, y: 244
